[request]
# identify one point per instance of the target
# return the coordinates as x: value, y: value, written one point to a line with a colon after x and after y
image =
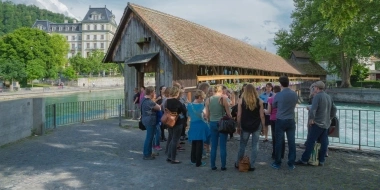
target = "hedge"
x: 366, y: 84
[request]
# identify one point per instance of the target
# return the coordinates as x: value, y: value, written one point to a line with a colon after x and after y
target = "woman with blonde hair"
x: 174, y: 105
x: 216, y: 107
x: 250, y: 120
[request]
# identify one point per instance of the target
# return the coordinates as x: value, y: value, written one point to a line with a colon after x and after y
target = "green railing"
x: 80, y: 112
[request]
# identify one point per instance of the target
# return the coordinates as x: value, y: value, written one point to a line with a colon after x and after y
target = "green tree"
x: 310, y: 31
x: 70, y: 73
x: 12, y: 70
x: 377, y: 65
x: 359, y: 73
x: 35, y: 70
x: 33, y: 46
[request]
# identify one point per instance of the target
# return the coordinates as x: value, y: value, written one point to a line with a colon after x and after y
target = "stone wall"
x: 18, y: 118
x: 358, y: 96
x: 100, y: 82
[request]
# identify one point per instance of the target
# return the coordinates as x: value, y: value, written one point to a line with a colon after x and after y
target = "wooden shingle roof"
x: 196, y: 44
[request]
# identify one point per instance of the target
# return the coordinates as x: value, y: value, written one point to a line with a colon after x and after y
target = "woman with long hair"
x: 149, y: 119
x: 174, y: 105
x: 216, y: 107
x: 250, y: 119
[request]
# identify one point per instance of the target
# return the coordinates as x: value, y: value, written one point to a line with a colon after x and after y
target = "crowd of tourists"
x: 253, y: 113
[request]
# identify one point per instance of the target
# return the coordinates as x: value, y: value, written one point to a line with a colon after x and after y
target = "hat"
x: 319, y: 84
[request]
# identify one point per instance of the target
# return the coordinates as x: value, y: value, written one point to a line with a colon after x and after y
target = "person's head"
x: 167, y: 91
x: 162, y: 90
x: 263, y: 89
x: 284, y: 81
x: 250, y: 96
x: 276, y: 89
x: 199, y: 95
x: 218, y: 89
x: 135, y: 90
x: 319, y: 86
x: 149, y: 91
x: 204, y: 86
x: 268, y: 87
x: 177, y: 84
x: 210, y: 92
x: 142, y: 88
x: 224, y: 88
x: 174, y: 92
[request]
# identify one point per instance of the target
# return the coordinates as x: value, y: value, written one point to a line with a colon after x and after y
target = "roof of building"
x: 301, y: 54
x: 309, y: 68
x: 106, y: 15
x: 195, y: 44
x: 44, y: 23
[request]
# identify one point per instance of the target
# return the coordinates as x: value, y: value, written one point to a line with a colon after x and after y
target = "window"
x: 88, y: 45
x: 72, y: 46
x: 94, y: 45
x: 88, y: 27
x: 73, y: 28
x: 60, y: 28
x: 88, y: 54
x: 88, y: 37
x: 67, y: 28
x: 95, y: 27
x: 94, y: 37
x: 102, y: 27
x: 79, y: 46
x: 102, y: 37
x: 79, y: 37
x: 67, y: 37
x: 102, y: 45
x: 72, y: 37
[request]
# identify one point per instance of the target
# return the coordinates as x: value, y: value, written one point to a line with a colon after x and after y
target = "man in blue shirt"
x: 264, y: 97
x: 285, y: 102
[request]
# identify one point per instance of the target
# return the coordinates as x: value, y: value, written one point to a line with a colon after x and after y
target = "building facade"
x: 95, y: 32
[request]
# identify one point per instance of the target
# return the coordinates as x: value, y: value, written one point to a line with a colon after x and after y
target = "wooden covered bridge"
x: 178, y: 50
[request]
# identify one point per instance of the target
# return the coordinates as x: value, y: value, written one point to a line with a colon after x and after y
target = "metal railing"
x: 357, y: 128
x: 79, y: 112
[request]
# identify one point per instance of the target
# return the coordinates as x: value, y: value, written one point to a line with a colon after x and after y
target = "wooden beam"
x: 224, y: 77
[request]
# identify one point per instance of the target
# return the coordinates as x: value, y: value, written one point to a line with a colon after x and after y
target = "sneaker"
x: 155, y: 154
x: 180, y: 148
x: 192, y: 163
x: 223, y: 169
x: 265, y: 140
x: 158, y: 148
x: 182, y: 142
x: 321, y: 164
x: 275, y: 166
x: 301, y: 163
x: 251, y: 169
x: 292, y: 167
x: 202, y: 164
x: 149, y: 158
x: 204, y: 157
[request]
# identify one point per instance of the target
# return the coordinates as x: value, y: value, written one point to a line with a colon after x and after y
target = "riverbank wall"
x: 21, y: 118
x: 355, y: 95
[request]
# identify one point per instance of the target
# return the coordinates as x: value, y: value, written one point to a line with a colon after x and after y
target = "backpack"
x: 244, y: 164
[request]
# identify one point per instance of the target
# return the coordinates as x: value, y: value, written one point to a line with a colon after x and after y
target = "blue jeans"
x: 215, y: 137
x: 316, y: 133
x: 287, y: 126
x: 157, y: 135
x: 150, y: 130
x: 244, y: 137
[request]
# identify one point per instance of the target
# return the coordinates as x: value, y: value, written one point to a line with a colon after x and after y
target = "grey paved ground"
x: 101, y: 155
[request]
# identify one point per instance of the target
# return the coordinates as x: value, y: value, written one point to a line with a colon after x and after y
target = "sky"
x: 255, y: 21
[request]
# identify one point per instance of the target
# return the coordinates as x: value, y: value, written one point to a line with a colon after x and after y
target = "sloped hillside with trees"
x: 14, y: 16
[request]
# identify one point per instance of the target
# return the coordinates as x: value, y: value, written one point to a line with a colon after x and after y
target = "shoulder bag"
x: 169, y: 118
x: 141, y: 125
x: 226, y: 123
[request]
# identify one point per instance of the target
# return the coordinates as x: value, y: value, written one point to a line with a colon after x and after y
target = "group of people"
x: 254, y: 113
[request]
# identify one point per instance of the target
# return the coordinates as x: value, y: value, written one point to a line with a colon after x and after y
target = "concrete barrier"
x: 21, y: 118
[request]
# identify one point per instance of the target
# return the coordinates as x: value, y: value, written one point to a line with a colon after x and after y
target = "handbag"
x: 226, y: 124
x: 314, y: 155
x: 141, y: 125
x: 169, y: 118
x: 244, y: 164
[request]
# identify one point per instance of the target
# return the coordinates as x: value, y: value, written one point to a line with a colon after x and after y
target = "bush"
x: 366, y: 84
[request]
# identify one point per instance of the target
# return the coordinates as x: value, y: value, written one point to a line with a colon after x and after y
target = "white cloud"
x: 52, y: 5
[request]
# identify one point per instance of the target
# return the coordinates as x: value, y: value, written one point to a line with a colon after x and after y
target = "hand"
x: 308, y: 108
x: 238, y: 130
x: 311, y: 122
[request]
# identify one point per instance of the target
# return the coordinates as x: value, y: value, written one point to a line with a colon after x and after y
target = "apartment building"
x: 94, y: 32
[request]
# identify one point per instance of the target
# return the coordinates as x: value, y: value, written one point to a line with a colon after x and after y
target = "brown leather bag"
x: 244, y: 164
x: 169, y: 118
